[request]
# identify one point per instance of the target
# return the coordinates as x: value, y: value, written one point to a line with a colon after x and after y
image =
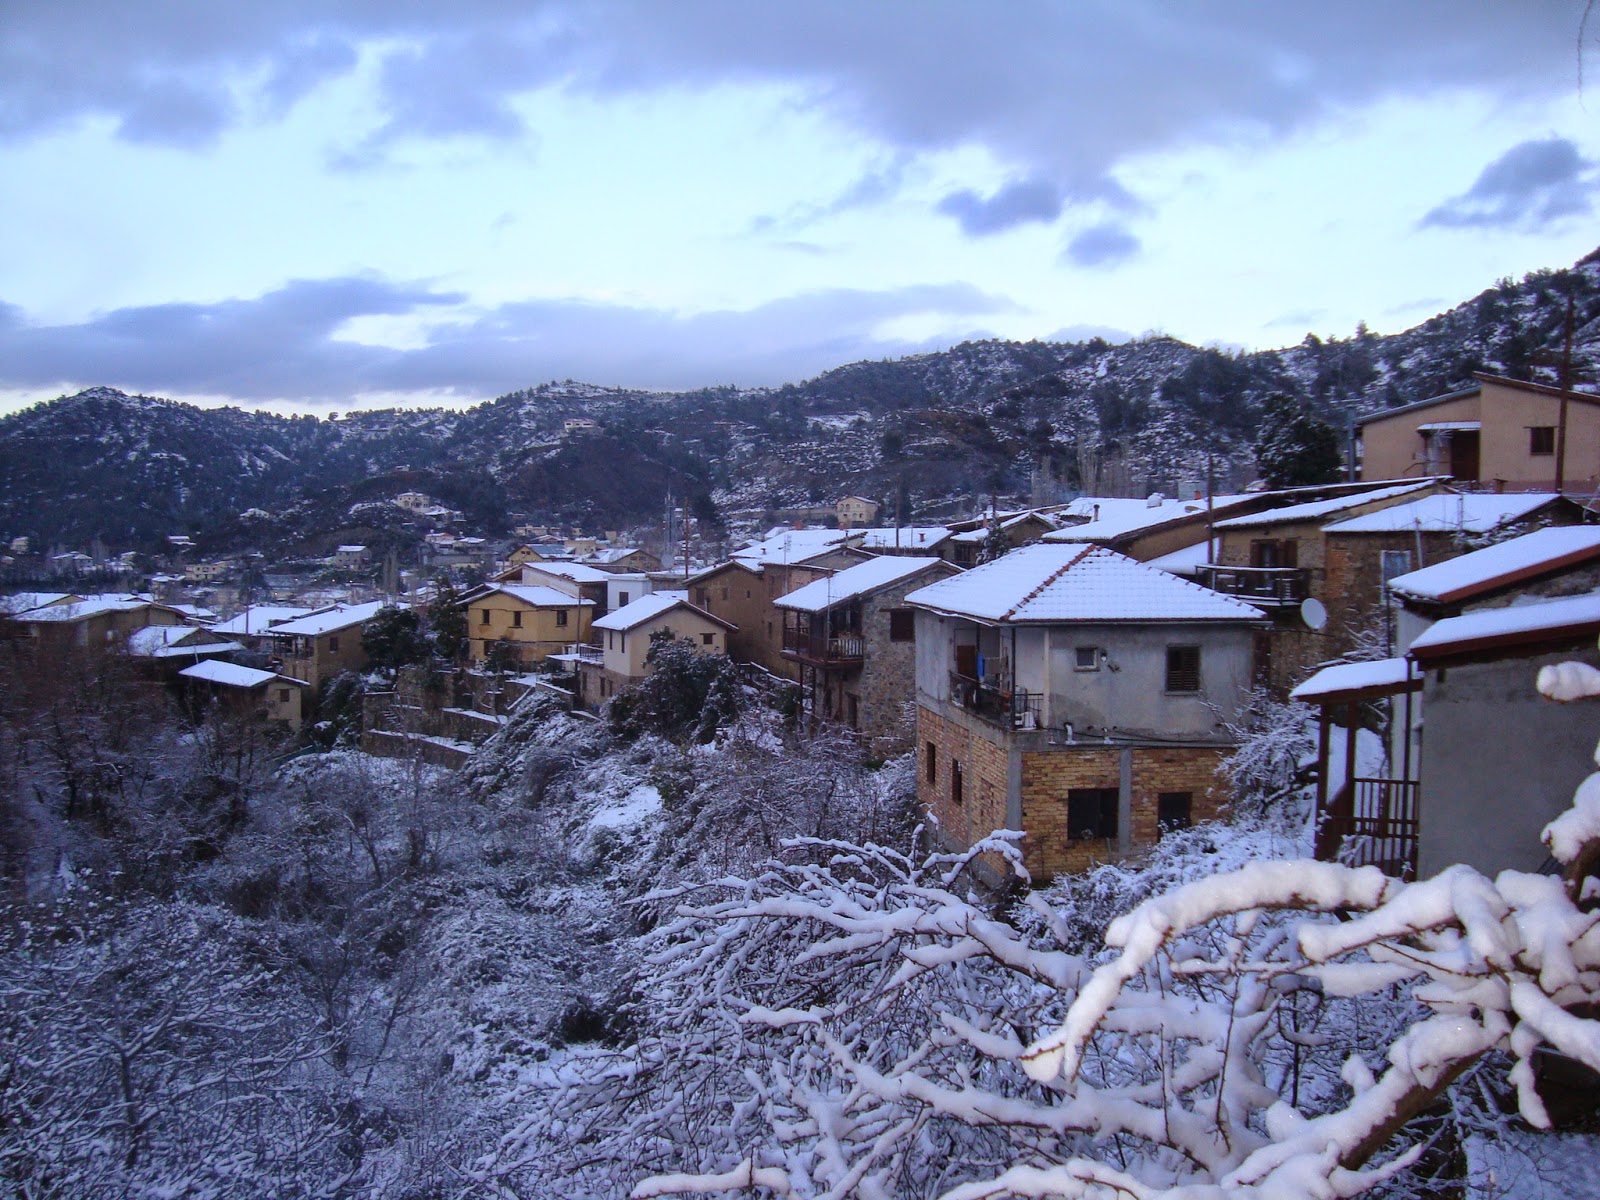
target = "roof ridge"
x: 1049, y: 579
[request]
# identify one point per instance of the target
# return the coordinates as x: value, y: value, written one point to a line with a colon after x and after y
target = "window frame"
x: 1094, y: 658
x: 1106, y: 822
x: 1541, y: 441
x: 902, y: 625
x: 1176, y: 822
x: 1179, y: 674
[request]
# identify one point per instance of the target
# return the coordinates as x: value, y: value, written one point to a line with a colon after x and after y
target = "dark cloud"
x: 1017, y: 203
x: 285, y: 345
x: 1107, y: 244
x: 1059, y: 91
x: 1527, y: 187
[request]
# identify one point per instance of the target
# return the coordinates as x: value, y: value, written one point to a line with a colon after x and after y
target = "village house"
x: 914, y: 540
x: 245, y: 692
x: 1079, y: 696
x: 536, y: 621
x: 852, y: 639
x: 91, y: 621
x: 318, y: 647
x: 854, y: 511
x: 626, y: 637
x: 735, y: 592
x: 249, y: 626
x: 1502, y: 433
x: 350, y: 558
x: 1009, y: 530
x: 1473, y: 632
x: 163, y: 650
x: 624, y: 559
x: 575, y: 579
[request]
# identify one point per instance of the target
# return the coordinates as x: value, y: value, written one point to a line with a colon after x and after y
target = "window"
x: 1086, y: 658
x: 483, y: 616
x: 1395, y: 562
x: 702, y: 596
x: 1174, y: 810
x: 930, y: 756
x: 902, y: 625
x: 611, y: 639
x: 333, y: 645
x: 1183, y: 668
x: 516, y: 619
x: 1541, y: 439
x: 283, y: 695
x: 1091, y: 813
x: 561, y: 616
x: 724, y: 593
x: 956, y: 788
x: 708, y: 639
x: 622, y: 598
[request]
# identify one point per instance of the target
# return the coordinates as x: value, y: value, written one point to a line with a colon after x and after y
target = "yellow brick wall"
x: 984, y: 779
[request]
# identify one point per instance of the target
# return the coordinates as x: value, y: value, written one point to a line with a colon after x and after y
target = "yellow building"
x: 539, y: 621
x: 1502, y: 433
x: 627, y: 636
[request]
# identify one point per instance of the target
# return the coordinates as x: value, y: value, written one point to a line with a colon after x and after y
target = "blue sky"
x: 316, y: 206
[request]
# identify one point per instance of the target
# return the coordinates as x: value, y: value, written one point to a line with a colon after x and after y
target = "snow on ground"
x: 637, y: 806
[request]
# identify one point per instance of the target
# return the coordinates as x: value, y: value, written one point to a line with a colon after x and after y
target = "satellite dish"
x: 1314, y: 613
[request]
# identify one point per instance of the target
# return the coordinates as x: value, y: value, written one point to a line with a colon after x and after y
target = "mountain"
x: 943, y: 429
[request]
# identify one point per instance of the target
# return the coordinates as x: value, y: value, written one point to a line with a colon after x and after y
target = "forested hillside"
x: 943, y: 429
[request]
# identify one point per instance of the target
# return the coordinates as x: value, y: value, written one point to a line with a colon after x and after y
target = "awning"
x: 1358, y: 681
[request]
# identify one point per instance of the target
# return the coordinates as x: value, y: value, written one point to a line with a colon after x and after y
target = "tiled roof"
x: 1519, y: 624
x: 1076, y: 583
x: 1501, y: 564
x: 1316, y: 509
x: 648, y: 608
x: 863, y: 578
x: 1478, y: 512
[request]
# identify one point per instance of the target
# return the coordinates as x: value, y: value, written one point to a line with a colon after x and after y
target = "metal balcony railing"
x: 997, y: 705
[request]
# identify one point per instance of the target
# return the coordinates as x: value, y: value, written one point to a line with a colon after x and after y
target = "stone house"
x: 1277, y: 560
x: 626, y: 636
x: 852, y: 639
x: 575, y: 579
x: 538, y: 621
x: 1077, y: 695
x: 163, y: 650
x: 250, y: 626
x: 965, y: 546
x: 245, y: 691
x: 1504, y: 433
x: 318, y: 647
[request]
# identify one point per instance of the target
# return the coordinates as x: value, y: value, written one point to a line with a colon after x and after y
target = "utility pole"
x: 1565, y: 381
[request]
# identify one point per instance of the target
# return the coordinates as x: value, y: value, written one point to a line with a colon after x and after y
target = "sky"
x: 315, y: 206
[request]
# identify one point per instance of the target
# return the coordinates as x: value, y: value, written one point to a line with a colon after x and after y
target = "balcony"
x: 1372, y: 822
x: 824, y: 650
x: 1258, y: 585
x: 997, y: 705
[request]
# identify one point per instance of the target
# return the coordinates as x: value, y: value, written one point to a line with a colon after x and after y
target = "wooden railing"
x: 1372, y: 822
x: 838, y: 648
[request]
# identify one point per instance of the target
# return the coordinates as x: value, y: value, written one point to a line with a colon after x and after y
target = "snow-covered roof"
x: 21, y: 602
x: 329, y: 620
x: 351, y: 550
x: 648, y: 608
x: 89, y: 606
x: 871, y: 576
x: 1448, y: 512
x: 576, y: 572
x: 1449, y: 426
x: 792, y: 545
x: 1383, y: 677
x: 1185, y: 561
x: 1076, y: 583
x: 176, y: 641
x: 1501, y: 564
x: 1006, y: 522
x: 233, y: 675
x: 538, y: 595
x: 907, y: 537
x: 194, y: 611
x: 1119, y: 517
x: 1316, y: 509
x: 1520, y: 624
x: 612, y: 553
x: 258, y: 618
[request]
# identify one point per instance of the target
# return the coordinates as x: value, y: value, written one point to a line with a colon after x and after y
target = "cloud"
x: 1017, y: 203
x: 1107, y: 244
x: 1527, y: 187
x: 1055, y: 91
x: 286, y: 344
